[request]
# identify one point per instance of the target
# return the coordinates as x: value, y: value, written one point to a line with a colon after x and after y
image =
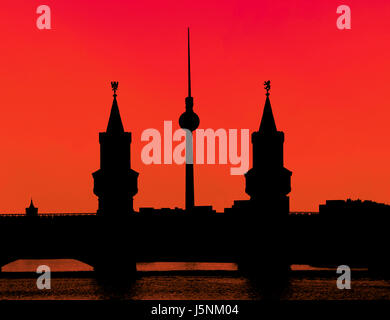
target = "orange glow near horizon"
x: 329, y: 95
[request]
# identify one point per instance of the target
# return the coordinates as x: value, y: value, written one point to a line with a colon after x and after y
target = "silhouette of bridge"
x: 115, y: 245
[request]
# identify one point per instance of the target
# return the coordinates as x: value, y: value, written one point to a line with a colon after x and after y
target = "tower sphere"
x: 189, y: 120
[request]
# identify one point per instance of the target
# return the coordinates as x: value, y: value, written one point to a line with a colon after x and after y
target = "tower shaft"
x: 190, y: 196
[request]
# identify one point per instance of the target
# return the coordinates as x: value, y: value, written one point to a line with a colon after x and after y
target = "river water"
x: 216, y: 281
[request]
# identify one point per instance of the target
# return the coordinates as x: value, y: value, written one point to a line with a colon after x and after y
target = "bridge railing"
x: 84, y: 214
x: 48, y: 215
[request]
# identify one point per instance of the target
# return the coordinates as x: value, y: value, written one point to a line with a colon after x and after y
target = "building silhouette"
x: 115, y: 183
x: 354, y: 210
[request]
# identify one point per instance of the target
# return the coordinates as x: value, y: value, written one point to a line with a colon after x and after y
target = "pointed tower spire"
x: 267, y: 124
x: 31, y: 210
x: 115, y: 122
x: 189, y: 63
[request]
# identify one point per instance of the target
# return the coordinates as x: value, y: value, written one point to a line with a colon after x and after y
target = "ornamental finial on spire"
x: 267, y: 86
x: 114, y: 86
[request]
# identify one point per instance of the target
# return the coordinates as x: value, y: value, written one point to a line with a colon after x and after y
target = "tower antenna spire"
x: 189, y: 63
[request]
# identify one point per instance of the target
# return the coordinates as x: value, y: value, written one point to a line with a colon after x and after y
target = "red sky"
x: 329, y: 94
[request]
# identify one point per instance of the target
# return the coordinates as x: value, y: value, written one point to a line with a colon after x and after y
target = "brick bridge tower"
x: 268, y: 182
x: 265, y: 221
x: 115, y: 183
